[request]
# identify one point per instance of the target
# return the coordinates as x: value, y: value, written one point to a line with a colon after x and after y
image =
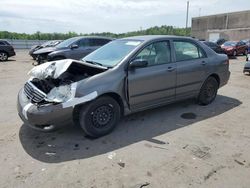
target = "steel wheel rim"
x: 210, y: 91
x: 102, y: 116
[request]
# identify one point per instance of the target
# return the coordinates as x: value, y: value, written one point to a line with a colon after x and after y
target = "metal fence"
x: 24, y: 44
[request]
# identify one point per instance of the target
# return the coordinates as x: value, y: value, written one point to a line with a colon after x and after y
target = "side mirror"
x: 73, y: 46
x: 138, y: 63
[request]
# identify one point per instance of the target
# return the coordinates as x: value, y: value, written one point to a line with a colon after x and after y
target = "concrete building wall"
x: 232, y: 26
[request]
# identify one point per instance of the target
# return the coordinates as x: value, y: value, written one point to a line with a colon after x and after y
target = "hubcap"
x: 210, y: 90
x: 102, y: 115
x: 3, y: 56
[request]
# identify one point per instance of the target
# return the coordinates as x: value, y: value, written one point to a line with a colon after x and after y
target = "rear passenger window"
x: 187, y: 51
x: 98, y: 42
x: 83, y: 43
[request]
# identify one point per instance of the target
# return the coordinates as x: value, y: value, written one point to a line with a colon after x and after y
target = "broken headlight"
x: 59, y: 94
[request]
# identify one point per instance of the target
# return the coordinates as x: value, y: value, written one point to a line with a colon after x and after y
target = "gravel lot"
x: 156, y: 148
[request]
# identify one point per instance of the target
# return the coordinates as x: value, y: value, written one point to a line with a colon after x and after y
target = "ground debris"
x: 212, y: 172
x: 239, y: 162
x: 121, y: 164
x: 145, y: 184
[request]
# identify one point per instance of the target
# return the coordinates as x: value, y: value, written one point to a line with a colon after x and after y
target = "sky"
x: 117, y: 16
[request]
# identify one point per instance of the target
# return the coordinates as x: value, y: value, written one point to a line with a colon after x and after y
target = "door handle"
x: 170, y: 69
x: 203, y: 63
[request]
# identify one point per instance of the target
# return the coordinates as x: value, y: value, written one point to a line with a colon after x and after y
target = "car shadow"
x: 70, y: 143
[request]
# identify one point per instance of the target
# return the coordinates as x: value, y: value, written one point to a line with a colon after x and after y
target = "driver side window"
x: 156, y: 53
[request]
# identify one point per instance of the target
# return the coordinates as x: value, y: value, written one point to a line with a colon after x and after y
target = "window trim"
x: 200, y: 49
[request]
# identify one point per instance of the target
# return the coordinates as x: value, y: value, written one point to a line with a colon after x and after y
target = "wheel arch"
x: 113, y: 95
x: 216, y: 76
x: 5, y: 52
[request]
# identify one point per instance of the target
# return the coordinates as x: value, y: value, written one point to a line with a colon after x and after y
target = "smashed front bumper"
x: 44, y: 118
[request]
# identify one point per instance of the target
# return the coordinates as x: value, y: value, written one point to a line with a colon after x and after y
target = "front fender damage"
x: 56, y: 83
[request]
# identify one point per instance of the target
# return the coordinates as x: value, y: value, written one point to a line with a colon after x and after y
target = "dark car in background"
x: 122, y: 77
x: 50, y: 43
x: 219, y: 41
x: 6, y: 50
x: 234, y: 48
x: 215, y: 47
x: 73, y: 48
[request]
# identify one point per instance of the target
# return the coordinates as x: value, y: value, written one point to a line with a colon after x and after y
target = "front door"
x: 154, y: 84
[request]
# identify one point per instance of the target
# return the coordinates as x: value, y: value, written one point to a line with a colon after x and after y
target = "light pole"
x: 187, y: 17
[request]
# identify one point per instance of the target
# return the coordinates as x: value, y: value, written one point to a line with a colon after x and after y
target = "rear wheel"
x: 208, y: 91
x: 245, y: 52
x: 3, y: 56
x: 100, y: 116
x: 234, y: 53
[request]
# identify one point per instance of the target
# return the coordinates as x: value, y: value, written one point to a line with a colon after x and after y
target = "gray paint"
x: 138, y: 89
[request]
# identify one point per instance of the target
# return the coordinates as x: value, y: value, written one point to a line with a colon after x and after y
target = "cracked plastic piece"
x: 59, y: 94
x: 50, y: 69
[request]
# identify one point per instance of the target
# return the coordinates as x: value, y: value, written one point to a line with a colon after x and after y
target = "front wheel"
x: 99, y: 117
x: 208, y: 91
x: 3, y: 56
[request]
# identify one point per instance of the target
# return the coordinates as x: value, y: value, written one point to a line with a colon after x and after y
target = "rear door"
x: 154, y: 84
x: 191, y: 64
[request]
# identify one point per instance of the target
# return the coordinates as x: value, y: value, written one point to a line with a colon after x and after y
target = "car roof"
x: 153, y: 37
x: 96, y: 37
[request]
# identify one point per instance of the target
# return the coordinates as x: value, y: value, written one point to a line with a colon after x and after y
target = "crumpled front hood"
x: 45, y: 50
x: 51, y: 69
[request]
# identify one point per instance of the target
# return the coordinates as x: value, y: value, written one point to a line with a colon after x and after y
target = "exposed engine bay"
x: 52, y: 81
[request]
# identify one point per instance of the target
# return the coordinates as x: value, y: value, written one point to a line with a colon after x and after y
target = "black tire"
x: 208, y: 91
x: 3, y: 56
x: 245, y: 52
x: 99, y: 117
x: 234, y: 53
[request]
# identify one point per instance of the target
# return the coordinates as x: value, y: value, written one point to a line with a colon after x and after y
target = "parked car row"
x: 234, y: 48
x: 50, y: 43
x: 73, y: 48
x: 231, y: 48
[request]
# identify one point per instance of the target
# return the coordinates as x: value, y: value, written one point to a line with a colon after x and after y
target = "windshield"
x: 46, y: 43
x: 229, y: 44
x: 112, y: 53
x: 66, y: 43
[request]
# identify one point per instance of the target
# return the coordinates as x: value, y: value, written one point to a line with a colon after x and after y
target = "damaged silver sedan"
x: 122, y: 77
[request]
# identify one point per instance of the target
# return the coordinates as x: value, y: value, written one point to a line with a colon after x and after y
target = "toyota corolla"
x: 124, y: 76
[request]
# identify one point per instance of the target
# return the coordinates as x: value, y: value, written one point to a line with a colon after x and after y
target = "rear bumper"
x: 43, y: 118
x: 224, y: 77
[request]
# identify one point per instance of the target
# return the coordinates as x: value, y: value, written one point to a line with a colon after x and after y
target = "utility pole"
x: 187, y: 17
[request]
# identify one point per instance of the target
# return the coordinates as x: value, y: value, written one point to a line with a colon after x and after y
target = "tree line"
x: 162, y: 30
